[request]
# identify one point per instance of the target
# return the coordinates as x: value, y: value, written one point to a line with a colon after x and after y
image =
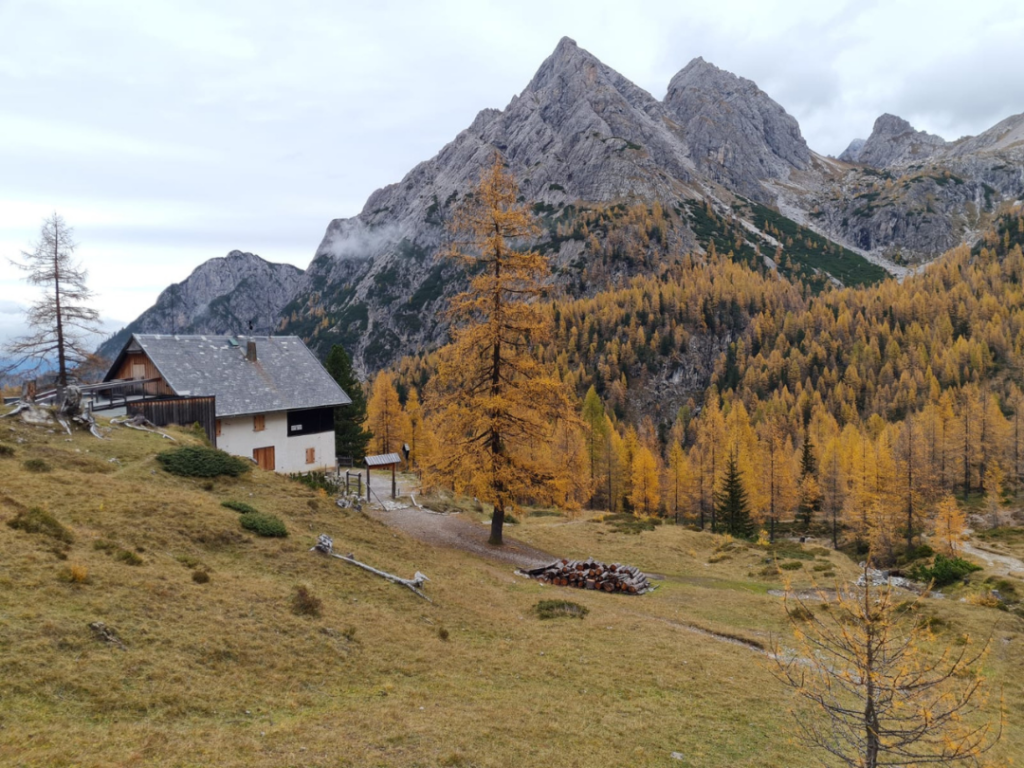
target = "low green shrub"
x: 545, y: 513
x: 800, y: 613
x: 39, y: 521
x: 793, y: 551
x: 318, y: 481
x: 6, y: 451
x: 127, y: 557
x: 201, y: 577
x: 263, y: 524
x: 624, y: 522
x: 36, y: 465
x: 555, y: 609
x: 199, y: 461
x: 240, y: 506
x: 944, y: 571
x: 791, y: 565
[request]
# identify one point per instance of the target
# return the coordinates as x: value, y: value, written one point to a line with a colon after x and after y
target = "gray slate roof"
x: 286, y: 375
x: 383, y: 460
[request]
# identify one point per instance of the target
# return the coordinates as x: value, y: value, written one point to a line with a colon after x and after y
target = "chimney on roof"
x: 250, y: 351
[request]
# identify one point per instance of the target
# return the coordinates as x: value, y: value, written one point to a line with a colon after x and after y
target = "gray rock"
x: 222, y: 295
x: 893, y: 141
x: 852, y: 153
x: 736, y: 134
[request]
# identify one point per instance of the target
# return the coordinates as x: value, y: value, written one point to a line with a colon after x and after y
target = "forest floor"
x: 228, y: 671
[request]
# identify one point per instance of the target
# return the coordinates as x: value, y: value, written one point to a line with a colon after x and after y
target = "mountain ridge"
x: 581, y: 138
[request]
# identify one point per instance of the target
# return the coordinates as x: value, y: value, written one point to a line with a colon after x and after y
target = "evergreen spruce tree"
x: 350, y: 438
x: 732, y: 507
x: 810, y: 496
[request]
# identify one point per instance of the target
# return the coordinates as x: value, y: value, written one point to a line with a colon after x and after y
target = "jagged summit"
x: 852, y: 152
x: 894, y: 141
x: 736, y: 133
x: 222, y: 295
x: 582, y: 137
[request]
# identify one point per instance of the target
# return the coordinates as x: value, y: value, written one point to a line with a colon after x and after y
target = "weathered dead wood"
x: 325, y: 546
x: 142, y: 424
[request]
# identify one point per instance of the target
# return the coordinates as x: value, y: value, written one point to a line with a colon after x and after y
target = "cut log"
x: 591, y: 574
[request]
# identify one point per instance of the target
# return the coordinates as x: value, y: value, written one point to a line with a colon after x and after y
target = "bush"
x: 262, y: 524
x: 36, y: 520
x: 128, y: 557
x: 192, y: 461
x: 318, y: 481
x: 74, y: 574
x: 443, y: 634
x: 200, y: 577
x: 554, y: 609
x: 627, y: 523
x: 791, y: 565
x: 304, y: 603
x: 240, y: 506
x: 6, y: 451
x: 944, y: 571
x: 800, y: 613
x: 36, y: 465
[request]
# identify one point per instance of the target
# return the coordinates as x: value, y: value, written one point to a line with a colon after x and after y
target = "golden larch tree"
x: 645, y: 493
x: 950, y: 526
x: 417, y: 431
x: 496, y: 401
x: 678, y: 480
x: 384, y: 415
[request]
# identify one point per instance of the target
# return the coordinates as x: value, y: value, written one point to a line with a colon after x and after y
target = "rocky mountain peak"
x: 736, y: 133
x: 222, y: 295
x: 894, y: 141
x: 852, y: 152
x: 699, y: 71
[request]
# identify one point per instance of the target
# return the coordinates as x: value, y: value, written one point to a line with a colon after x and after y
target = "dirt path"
x: 450, y: 530
x: 1004, y: 564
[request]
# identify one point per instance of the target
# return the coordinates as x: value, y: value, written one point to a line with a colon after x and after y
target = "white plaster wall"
x: 237, y: 437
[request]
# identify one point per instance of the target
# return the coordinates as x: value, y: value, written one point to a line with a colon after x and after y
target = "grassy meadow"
x: 222, y: 670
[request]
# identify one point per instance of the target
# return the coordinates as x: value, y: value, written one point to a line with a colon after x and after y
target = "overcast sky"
x: 168, y: 133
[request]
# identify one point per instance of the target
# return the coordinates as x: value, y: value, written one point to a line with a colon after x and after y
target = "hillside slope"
x: 225, y: 673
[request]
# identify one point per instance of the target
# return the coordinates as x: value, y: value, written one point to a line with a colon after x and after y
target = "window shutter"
x: 259, y: 422
x: 310, y: 455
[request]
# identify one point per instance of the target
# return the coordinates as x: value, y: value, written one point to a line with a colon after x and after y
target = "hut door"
x: 265, y: 458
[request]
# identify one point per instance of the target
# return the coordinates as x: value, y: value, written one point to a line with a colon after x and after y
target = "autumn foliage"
x: 500, y: 413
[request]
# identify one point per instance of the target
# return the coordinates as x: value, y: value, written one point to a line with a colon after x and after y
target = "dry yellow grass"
x: 225, y: 673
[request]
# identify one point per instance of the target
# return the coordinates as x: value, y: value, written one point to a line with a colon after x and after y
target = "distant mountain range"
x: 725, y: 165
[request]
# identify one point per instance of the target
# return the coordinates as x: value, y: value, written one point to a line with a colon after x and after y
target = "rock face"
x: 852, y: 153
x: 916, y: 195
x: 222, y: 295
x: 893, y: 141
x: 735, y: 133
x: 579, y: 132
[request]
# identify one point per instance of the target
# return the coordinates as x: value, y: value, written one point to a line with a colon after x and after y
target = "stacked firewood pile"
x: 590, y: 574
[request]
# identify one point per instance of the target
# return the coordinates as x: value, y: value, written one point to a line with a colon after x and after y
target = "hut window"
x: 259, y: 422
x: 310, y: 455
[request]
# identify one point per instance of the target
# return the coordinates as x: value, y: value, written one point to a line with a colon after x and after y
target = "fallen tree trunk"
x: 325, y: 546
